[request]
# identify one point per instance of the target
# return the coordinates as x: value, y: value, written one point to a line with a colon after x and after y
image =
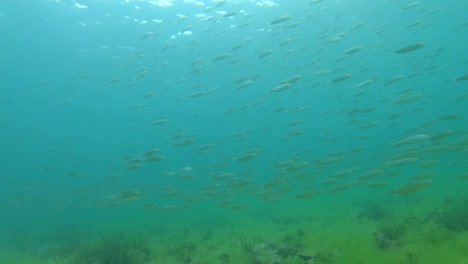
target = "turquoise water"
x: 234, y: 131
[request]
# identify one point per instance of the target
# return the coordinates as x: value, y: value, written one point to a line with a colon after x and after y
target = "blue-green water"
x: 231, y: 131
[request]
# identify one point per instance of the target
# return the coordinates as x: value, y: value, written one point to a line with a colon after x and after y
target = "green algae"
x: 340, y: 235
x: 122, y: 249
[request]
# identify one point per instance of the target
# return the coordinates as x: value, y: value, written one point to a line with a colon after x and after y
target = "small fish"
x: 141, y: 75
x: 298, y: 166
x: 279, y: 109
x: 352, y: 50
x: 368, y: 110
x: 185, y: 142
x: 392, y: 174
x: 178, y: 136
x: 296, y: 133
x: 160, y: 122
x: 225, y: 202
x: 449, y: 117
x: 412, y: 139
x: 412, y: 186
x: 464, y: 77
x: 205, y: 147
x: 154, y: 158
x: 280, y: 88
x: 187, y: 29
x: 148, y: 95
x: 149, y: 152
x: 245, y: 84
x: 442, y: 134
x: 209, y: 18
x: 394, y: 80
x: 315, y: 2
x: 196, y: 94
x: 222, y: 56
x: 341, y: 78
x: 363, y: 84
x: 238, y: 207
x: 230, y: 14
x: 75, y: 174
x: 370, y: 174
x: 149, y: 206
x: 241, y: 79
x: 114, y: 80
x: 358, y: 26
x: 343, y: 173
x: 429, y: 163
x: 405, y: 154
x: 415, y: 23
x: 291, y: 80
x: 407, y: 98
x: 376, y: 184
x: 410, y: 47
x: 280, y: 19
x: 307, y: 194
x: 369, y: 125
x: 168, y: 208
x: 219, y: 3
x: 412, y: 5
x: 402, y: 162
x: 321, y: 73
x: 148, y: 34
x: 296, y: 122
x: 183, y: 170
x: 276, y: 182
x: 238, y: 182
x: 126, y: 64
x: 335, y: 38
x: 423, y: 176
x: 295, y: 24
x: 247, y: 156
x: 265, y: 53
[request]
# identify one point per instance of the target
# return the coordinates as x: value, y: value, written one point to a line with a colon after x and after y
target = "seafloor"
x: 421, y: 228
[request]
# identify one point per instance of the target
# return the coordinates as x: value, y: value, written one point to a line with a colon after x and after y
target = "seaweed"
x: 258, y: 253
x: 224, y: 258
x: 121, y: 249
x: 286, y: 251
x: 428, y: 218
x: 375, y: 211
x: 324, y: 258
x: 455, y: 217
x: 182, y: 251
x: 249, y: 247
x: 389, y: 233
x: 320, y: 258
x: 411, y: 258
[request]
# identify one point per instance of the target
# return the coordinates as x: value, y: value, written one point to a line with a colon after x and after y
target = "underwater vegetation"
x: 295, y: 240
x: 121, y: 249
x: 374, y: 211
x: 183, y: 251
x: 250, y: 249
x: 319, y: 258
x: 224, y: 258
x: 389, y: 233
x: 270, y: 252
x: 324, y: 258
x: 455, y: 216
x: 286, y: 251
